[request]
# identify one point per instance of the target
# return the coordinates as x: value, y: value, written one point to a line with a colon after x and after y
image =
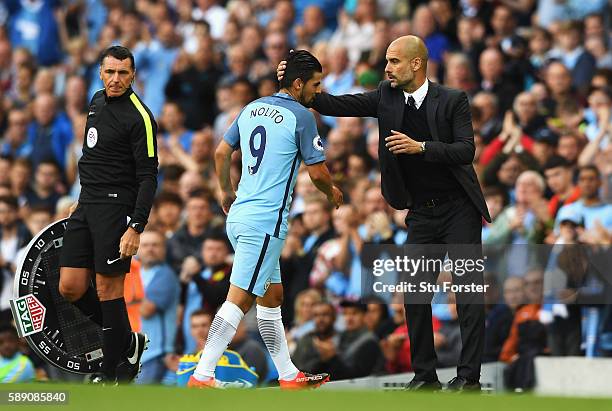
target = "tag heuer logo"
x: 30, y: 314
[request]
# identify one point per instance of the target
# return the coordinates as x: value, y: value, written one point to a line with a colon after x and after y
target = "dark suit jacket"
x: 450, y: 123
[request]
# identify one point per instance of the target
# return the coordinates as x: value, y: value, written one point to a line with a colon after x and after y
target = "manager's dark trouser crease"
x: 455, y: 222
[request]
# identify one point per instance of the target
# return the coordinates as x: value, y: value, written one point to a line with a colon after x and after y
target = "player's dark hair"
x: 11, y: 201
x: 8, y: 328
x: 118, y: 52
x: 300, y: 64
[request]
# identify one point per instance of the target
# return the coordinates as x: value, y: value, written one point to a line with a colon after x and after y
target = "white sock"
x: 221, y: 332
x: 273, y: 333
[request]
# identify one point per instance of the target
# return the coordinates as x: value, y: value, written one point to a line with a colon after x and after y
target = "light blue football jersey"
x: 275, y: 134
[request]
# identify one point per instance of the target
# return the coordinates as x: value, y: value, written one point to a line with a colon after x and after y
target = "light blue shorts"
x: 256, y: 258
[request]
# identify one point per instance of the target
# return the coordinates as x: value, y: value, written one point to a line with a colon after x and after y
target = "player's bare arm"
x: 223, y: 156
x: 321, y: 178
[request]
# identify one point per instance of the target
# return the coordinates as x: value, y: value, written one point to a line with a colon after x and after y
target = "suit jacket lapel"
x: 432, y: 107
x: 399, y: 102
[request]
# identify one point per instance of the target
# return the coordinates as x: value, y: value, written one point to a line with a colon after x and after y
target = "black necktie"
x: 410, y: 102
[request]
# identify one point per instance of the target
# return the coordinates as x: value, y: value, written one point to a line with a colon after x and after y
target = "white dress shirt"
x: 418, y: 95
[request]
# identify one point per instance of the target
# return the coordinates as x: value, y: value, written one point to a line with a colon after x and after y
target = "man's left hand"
x: 130, y: 241
x: 400, y: 143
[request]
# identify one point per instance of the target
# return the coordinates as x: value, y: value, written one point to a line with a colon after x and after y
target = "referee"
x: 118, y: 172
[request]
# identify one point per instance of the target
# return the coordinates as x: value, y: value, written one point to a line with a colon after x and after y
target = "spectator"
x: 500, y: 317
x: 215, y: 15
x: 569, y: 147
x: 15, y: 139
x: 487, y: 104
x: 559, y: 178
x: 590, y: 209
x: 377, y: 318
x: 44, y: 190
x: 21, y: 93
x: 424, y: 26
x: 20, y: 179
x: 522, y: 223
x: 540, y: 43
x: 167, y: 210
x: 158, y: 308
x: 599, y: 123
x: 13, y: 236
x: 205, y: 280
x: 313, y: 30
x: 356, y: 32
x: 276, y: 47
x: 491, y: 67
x: 155, y: 60
x: 496, y: 199
x: 193, y: 86
x: 172, y: 121
x: 300, y: 259
x: 503, y: 24
x: 13, y: 233
x: 558, y: 80
x: 33, y: 25
x: 187, y: 240
x: 340, y: 78
x: 338, y: 150
x: 596, y: 45
x: 50, y: 133
x: 527, y: 338
x: 75, y: 101
x: 572, y: 54
x: 460, y: 73
x: 352, y: 353
x: 303, y: 321
x: 15, y: 366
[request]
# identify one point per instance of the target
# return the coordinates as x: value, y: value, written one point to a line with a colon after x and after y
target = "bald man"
x: 426, y: 149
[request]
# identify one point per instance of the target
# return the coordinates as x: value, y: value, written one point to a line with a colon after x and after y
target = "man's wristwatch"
x: 423, y: 147
x: 138, y: 227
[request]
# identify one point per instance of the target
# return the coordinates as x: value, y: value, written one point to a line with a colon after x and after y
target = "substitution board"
x: 53, y: 327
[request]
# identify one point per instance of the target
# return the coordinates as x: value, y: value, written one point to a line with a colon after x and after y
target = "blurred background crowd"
x: 539, y: 78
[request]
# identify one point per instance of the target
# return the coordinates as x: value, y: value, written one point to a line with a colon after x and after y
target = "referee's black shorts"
x: 92, y: 237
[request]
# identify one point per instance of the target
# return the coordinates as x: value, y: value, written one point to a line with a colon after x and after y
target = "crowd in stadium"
x: 539, y: 78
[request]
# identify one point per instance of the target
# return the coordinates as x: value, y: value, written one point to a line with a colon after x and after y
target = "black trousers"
x: 454, y: 222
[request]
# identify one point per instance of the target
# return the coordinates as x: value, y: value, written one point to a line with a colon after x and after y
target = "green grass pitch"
x: 150, y: 398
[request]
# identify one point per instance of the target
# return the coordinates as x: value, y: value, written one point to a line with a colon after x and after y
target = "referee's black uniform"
x: 118, y: 172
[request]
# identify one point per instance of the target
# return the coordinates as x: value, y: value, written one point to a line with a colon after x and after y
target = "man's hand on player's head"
x: 227, y: 200
x: 280, y: 70
x: 400, y: 143
x: 128, y: 246
x: 336, y: 198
